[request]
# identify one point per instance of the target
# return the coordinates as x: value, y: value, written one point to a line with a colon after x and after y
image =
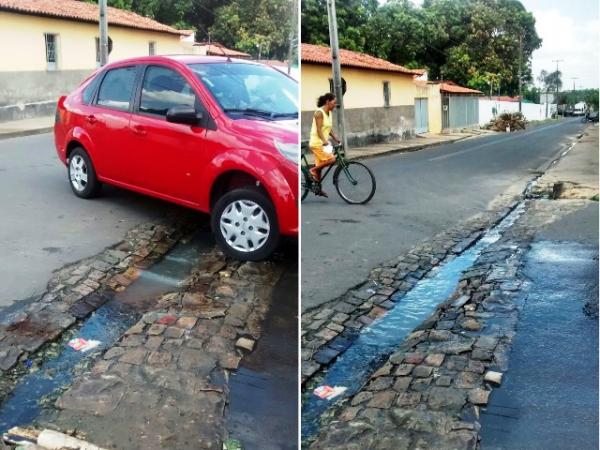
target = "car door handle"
x: 91, y: 119
x: 139, y: 130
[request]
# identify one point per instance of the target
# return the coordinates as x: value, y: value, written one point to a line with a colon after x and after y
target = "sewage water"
x: 263, y: 398
x: 106, y: 325
x: 375, y: 343
x: 549, y: 397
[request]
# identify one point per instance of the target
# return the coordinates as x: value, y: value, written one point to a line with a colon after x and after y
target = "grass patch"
x: 594, y: 198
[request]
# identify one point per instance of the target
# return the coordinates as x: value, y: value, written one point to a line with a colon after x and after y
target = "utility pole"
x: 520, y: 74
x: 337, y: 71
x: 557, y: 61
x: 574, y: 78
x: 556, y: 97
x: 103, y: 33
x: 292, y: 35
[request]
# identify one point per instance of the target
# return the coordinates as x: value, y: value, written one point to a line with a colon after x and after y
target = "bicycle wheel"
x: 306, y: 185
x: 355, y: 183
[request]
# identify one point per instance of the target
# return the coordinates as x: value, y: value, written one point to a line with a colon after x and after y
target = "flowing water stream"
x: 375, y: 343
x: 106, y: 325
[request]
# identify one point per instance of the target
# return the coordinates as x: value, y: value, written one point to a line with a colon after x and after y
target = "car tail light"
x: 60, y: 110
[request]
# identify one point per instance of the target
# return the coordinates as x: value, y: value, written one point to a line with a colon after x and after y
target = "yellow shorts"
x: 321, y: 155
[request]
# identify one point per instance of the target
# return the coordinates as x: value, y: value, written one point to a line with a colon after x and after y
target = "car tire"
x: 245, y: 224
x: 82, y: 175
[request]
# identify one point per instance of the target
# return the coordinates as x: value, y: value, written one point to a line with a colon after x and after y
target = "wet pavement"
x: 172, y: 330
x: 372, y: 347
x: 263, y: 399
x: 550, y: 397
x: 106, y: 325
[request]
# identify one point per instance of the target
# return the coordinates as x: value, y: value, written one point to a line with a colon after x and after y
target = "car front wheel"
x: 245, y: 224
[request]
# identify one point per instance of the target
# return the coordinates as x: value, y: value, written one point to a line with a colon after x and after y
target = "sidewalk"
x: 575, y: 176
x: 420, y: 142
x: 26, y: 127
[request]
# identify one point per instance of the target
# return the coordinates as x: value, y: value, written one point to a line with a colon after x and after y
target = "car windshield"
x: 250, y: 89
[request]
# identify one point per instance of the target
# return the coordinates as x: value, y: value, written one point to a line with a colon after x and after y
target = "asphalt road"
x: 44, y: 226
x: 418, y: 195
x: 549, y: 397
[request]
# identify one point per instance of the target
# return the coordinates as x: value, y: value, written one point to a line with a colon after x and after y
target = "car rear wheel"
x: 245, y: 224
x: 82, y: 176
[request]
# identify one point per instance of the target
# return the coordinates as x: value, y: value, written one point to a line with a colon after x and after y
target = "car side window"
x: 117, y: 88
x: 164, y: 88
x: 88, y: 91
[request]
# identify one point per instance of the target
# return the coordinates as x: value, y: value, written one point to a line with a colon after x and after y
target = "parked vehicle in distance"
x: 211, y: 133
x: 579, y: 109
x: 590, y: 116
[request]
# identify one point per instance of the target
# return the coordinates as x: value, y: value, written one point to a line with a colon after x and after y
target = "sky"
x: 570, y: 30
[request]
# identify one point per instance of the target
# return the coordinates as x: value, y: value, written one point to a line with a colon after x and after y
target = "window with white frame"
x: 97, y: 52
x: 386, y: 94
x: 51, y: 51
x: 151, y: 48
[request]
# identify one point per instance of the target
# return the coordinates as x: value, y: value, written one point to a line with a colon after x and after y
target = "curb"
x: 410, y: 149
x: 406, y: 149
x: 21, y: 133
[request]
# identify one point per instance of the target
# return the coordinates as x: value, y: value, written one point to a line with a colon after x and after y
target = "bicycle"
x: 353, y: 181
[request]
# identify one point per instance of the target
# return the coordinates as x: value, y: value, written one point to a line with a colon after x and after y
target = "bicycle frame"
x: 340, y: 160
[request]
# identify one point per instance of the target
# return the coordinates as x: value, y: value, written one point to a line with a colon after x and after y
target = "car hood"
x: 284, y: 130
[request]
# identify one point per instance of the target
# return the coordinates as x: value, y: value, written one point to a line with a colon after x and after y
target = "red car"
x: 210, y: 133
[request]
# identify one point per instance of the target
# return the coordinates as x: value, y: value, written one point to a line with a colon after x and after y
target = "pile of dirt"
x: 507, y: 122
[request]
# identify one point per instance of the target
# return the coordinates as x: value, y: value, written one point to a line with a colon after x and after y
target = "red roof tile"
x: 506, y: 98
x: 85, y: 12
x: 452, y: 88
x: 217, y: 49
x: 322, y: 55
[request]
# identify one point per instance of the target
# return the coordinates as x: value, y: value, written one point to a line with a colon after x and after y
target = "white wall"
x: 531, y: 111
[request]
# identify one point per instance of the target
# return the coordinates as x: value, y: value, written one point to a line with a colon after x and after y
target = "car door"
x: 108, y: 123
x: 169, y: 155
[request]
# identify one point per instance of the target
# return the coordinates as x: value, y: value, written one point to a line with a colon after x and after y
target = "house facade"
x: 450, y: 106
x: 50, y: 46
x: 379, y: 102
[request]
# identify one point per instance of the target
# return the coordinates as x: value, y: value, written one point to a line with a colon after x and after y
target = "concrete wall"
x: 367, y: 119
x: 434, y: 108
x: 366, y: 126
x: 28, y: 88
x: 33, y: 93
x: 531, y: 111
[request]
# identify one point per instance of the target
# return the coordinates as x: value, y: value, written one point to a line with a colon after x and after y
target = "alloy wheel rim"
x: 78, y: 173
x: 245, y: 226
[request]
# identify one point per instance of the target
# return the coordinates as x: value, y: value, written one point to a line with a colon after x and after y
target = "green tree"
x: 531, y: 93
x: 473, y: 42
x: 352, y: 18
x: 500, y: 35
x: 553, y: 81
x: 250, y: 25
x: 589, y: 96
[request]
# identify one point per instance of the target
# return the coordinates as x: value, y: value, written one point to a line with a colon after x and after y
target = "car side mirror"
x: 184, y: 114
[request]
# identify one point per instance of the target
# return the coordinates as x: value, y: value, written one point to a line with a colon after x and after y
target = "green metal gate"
x: 421, y: 116
x: 460, y: 111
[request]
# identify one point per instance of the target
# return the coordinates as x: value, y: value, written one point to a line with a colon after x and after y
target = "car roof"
x: 184, y: 59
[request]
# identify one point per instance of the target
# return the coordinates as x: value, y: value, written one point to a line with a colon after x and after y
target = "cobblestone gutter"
x: 428, y: 394
x: 165, y: 383
x: 327, y: 331
x: 75, y: 291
